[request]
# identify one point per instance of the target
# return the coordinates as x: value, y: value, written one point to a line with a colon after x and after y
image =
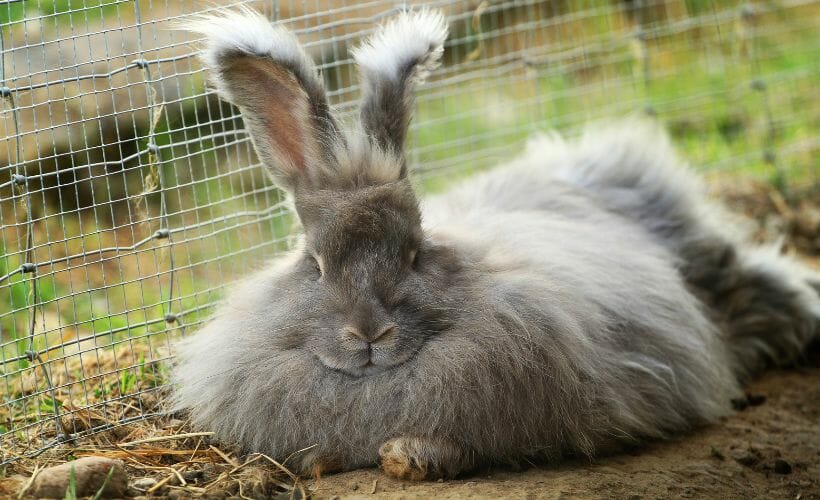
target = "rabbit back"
x: 766, y: 305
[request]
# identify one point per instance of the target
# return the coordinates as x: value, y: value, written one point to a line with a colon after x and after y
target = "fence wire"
x: 130, y: 195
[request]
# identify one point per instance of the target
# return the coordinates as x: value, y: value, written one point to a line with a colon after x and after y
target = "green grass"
x: 71, y: 490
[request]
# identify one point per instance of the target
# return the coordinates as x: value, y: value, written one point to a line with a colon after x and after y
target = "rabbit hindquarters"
x: 766, y: 304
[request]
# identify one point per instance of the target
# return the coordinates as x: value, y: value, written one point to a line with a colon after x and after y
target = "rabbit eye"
x: 317, y: 266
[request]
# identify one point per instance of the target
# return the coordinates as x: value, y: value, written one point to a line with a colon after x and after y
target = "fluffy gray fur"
x: 583, y: 297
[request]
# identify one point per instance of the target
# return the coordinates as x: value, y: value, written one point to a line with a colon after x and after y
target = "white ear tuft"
x: 412, y: 40
x: 400, y: 55
x: 244, y: 30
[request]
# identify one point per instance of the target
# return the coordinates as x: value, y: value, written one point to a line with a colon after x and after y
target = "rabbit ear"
x: 392, y: 61
x: 263, y: 70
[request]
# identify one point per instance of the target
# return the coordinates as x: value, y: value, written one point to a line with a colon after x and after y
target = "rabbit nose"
x: 381, y: 332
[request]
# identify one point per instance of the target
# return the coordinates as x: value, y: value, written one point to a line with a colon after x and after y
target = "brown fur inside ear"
x: 275, y: 108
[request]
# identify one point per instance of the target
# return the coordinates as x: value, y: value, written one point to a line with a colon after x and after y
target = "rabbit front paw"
x: 422, y: 458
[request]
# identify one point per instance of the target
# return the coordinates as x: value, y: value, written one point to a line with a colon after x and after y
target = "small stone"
x: 782, y: 467
x: 90, y: 474
x: 143, y: 483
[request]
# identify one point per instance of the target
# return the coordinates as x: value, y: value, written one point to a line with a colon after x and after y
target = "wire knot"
x: 161, y: 234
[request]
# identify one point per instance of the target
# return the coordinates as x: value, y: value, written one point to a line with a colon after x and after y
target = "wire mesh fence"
x: 130, y: 196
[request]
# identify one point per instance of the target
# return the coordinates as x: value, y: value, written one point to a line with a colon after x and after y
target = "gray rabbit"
x: 584, y: 297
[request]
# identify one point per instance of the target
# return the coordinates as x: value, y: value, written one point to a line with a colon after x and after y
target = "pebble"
x: 144, y: 483
x: 89, y: 476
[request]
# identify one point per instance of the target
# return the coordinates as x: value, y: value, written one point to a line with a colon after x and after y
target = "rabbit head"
x: 366, y: 285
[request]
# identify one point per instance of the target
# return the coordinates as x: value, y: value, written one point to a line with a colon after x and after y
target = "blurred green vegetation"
x: 727, y: 93
x: 60, y: 11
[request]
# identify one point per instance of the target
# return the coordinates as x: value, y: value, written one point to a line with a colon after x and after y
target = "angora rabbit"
x: 583, y: 297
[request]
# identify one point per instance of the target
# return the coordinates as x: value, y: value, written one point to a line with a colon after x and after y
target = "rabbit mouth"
x: 368, y: 368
